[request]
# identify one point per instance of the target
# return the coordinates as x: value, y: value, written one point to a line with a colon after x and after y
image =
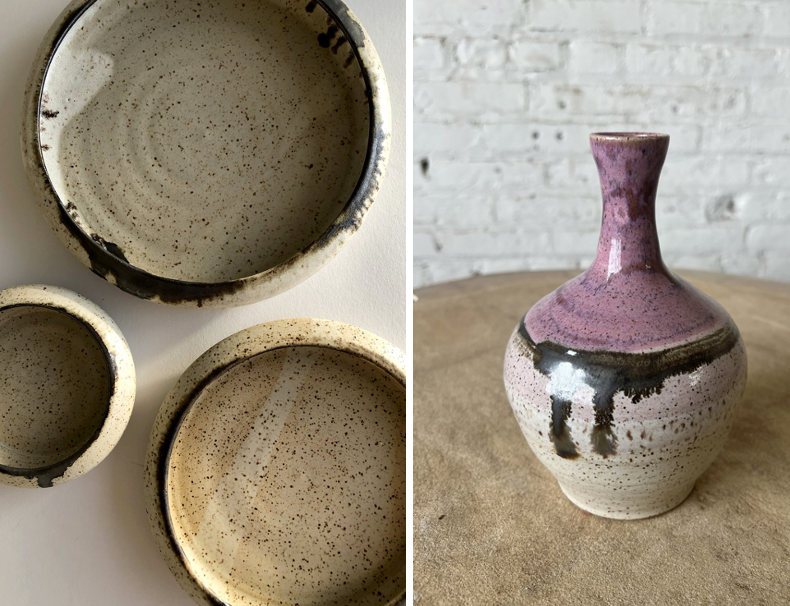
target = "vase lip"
x: 628, y: 136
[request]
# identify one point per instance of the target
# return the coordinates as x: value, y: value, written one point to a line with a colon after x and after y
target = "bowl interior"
x: 54, y: 387
x: 287, y: 481
x: 204, y: 142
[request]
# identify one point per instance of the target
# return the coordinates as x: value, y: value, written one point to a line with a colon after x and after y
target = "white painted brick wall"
x: 507, y: 92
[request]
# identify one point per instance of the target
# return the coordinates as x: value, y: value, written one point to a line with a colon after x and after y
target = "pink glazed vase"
x: 625, y: 380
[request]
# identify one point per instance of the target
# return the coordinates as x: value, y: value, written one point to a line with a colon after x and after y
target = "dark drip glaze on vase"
x: 606, y: 373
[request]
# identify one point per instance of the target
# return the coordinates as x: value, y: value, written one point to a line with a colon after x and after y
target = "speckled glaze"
x: 67, y: 386
x: 625, y: 379
x: 276, y: 469
x: 209, y: 154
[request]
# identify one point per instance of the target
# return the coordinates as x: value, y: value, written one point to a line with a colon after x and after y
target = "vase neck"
x: 629, y: 166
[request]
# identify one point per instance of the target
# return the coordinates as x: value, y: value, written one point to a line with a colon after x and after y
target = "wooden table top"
x: 490, y: 523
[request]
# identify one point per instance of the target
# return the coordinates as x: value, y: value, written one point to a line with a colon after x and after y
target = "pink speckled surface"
x: 627, y: 301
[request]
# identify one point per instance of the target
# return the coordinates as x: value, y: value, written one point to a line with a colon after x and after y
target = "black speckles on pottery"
x: 232, y: 193
x: 607, y: 373
x: 625, y: 379
x: 277, y: 469
x: 66, y: 386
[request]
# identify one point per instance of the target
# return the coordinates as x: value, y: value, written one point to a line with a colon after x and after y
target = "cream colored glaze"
x: 54, y: 386
x: 286, y: 478
x: 59, y: 393
x: 290, y: 468
x: 217, y: 147
x: 208, y: 142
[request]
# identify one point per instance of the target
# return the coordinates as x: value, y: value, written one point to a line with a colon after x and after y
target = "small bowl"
x: 206, y: 155
x: 276, y: 469
x: 67, y: 385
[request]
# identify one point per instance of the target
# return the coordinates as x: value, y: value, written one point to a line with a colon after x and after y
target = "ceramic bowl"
x: 210, y: 154
x: 276, y: 469
x: 67, y: 385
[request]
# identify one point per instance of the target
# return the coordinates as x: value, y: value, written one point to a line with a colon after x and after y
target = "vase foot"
x: 637, y: 507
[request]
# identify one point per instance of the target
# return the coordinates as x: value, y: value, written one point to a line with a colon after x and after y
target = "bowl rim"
x: 209, y: 367
x: 94, y: 254
x: 121, y: 380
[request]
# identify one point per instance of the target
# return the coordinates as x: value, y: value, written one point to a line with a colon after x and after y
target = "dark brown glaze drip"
x: 635, y: 375
x: 340, y: 42
x: 560, y: 434
x: 325, y: 39
x: 111, y: 247
x: 351, y: 29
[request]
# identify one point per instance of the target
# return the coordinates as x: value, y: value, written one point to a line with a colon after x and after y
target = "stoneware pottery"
x: 276, y: 469
x: 206, y: 153
x: 67, y: 385
x: 625, y: 380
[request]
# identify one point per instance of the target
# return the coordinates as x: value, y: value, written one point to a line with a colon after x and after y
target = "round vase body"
x: 625, y: 380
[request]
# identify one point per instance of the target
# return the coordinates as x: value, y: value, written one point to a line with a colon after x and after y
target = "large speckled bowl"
x: 626, y: 379
x: 67, y: 385
x: 276, y: 469
x: 206, y: 154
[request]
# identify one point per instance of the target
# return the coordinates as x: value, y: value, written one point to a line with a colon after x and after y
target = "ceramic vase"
x: 625, y: 380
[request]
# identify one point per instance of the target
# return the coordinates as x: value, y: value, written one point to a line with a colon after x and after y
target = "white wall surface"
x: 87, y: 542
x: 507, y: 92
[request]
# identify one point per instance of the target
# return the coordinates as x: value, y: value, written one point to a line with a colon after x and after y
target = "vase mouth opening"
x: 625, y: 136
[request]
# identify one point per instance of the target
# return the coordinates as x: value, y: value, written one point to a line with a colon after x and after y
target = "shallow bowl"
x: 67, y: 385
x: 206, y: 154
x: 276, y: 469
